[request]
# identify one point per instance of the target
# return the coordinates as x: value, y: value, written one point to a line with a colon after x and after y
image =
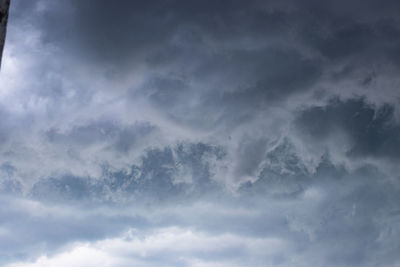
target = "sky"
x: 200, y: 133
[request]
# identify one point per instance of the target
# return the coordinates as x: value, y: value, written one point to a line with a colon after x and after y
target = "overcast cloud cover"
x: 200, y: 133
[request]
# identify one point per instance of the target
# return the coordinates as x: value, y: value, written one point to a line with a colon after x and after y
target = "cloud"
x: 224, y: 133
x: 163, y: 175
x: 373, y: 131
x: 341, y: 220
x: 165, y: 247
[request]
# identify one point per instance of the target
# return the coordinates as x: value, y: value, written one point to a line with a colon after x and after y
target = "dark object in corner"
x: 4, y: 6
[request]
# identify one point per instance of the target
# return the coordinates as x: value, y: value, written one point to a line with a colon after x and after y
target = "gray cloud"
x: 181, y: 173
x: 357, y: 208
x: 121, y: 139
x: 207, y: 133
x: 373, y: 130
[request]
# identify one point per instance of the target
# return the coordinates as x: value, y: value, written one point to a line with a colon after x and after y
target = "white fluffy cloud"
x: 165, y: 247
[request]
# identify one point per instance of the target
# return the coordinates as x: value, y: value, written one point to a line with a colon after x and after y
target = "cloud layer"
x: 169, y: 133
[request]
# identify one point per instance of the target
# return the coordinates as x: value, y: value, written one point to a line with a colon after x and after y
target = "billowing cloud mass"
x: 200, y: 133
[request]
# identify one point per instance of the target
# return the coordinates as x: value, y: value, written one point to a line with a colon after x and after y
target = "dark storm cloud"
x: 149, y: 31
x: 246, y: 81
x: 373, y: 130
x: 249, y: 53
x: 210, y: 120
x: 234, y: 57
x: 358, y: 44
x: 125, y: 28
x: 271, y: 74
x: 203, y: 40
